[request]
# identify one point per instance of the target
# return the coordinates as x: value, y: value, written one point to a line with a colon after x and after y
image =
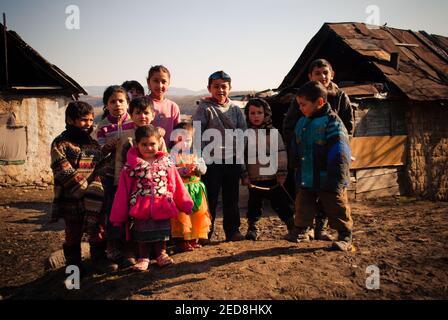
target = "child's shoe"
x: 164, y: 260
x: 141, y: 265
x: 195, y: 244
x: 184, y: 246
x: 344, y: 242
x: 99, y: 258
x: 252, y: 231
x: 237, y: 236
x: 298, y: 235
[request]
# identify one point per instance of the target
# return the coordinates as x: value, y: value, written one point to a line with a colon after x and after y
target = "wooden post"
x: 6, y: 52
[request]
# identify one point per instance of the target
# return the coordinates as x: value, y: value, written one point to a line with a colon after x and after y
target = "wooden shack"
x: 397, y: 81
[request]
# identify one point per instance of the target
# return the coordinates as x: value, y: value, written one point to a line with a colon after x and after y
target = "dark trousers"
x: 112, y: 233
x: 278, y: 197
x: 335, y: 206
x: 74, y: 230
x: 227, y: 178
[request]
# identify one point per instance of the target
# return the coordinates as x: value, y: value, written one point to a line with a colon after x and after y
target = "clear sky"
x: 255, y: 41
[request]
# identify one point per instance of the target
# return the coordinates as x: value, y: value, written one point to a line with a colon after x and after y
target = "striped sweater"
x: 77, y: 185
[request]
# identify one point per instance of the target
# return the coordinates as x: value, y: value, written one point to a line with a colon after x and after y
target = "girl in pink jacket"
x: 150, y: 193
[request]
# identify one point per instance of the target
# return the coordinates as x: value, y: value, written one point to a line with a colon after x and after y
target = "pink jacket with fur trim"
x: 149, y: 190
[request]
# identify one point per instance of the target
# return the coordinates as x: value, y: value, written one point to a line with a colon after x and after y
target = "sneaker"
x: 298, y: 235
x: 344, y: 242
x: 237, y: 236
x: 322, y: 235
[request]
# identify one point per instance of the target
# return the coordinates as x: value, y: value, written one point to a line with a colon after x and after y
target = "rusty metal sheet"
x: 361, y: 90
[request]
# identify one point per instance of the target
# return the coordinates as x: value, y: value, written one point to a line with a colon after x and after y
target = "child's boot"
x: 252, y: 230
x: 344, y: 242
x: 99, y: 258
x: 321, y: 229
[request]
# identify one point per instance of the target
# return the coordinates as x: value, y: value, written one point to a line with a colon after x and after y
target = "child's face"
x: 185, y: 140
x: 220, y: 89
x: 117, y: 104
x: 148, y: 147
x: 142, y: 118
x: 256, y: 115
x: 84, y: 123
x: 308, y: 107
x: 159, y: 84
x: 134, y: 93
x: 324, y: 75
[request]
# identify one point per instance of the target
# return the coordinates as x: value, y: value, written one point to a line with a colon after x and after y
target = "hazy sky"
x: 256, y: 42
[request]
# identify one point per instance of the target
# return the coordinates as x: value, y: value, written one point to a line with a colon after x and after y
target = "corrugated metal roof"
x: 422, y: 72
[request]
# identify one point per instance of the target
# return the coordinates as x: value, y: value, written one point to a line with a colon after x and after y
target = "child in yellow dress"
x: 186, y: 230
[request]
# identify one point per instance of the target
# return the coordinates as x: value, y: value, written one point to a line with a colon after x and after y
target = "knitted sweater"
x: 75, y: 157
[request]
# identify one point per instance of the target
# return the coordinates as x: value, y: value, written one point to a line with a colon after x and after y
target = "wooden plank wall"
x: 379, y: 149
x: 377, y: 182
x: 379, y: 119
x: 382, y: 151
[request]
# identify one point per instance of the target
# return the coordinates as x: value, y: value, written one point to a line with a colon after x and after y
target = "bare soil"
x: 405, y: 238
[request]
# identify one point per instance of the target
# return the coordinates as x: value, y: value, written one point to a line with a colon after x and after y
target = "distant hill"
x: 97, y: 91
x: 187, y: 103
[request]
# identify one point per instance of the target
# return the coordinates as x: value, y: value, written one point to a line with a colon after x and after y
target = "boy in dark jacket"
x: 78, y: 192
x: 322, y: 148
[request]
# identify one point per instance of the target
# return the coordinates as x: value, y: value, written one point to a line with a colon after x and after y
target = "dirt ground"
x: 405, y: 238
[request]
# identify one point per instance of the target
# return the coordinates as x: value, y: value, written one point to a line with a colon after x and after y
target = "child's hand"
x: 110, y: 145
x: 183, y: 171
x: 245, y: 181
x: 281, y: 180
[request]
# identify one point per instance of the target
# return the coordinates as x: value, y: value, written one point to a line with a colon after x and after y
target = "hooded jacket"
x: 149, y: 190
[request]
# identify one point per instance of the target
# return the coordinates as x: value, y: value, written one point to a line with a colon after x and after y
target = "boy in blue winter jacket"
x: 322, y: 147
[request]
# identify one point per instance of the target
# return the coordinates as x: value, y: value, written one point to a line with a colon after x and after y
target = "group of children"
x: 130, y: 196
